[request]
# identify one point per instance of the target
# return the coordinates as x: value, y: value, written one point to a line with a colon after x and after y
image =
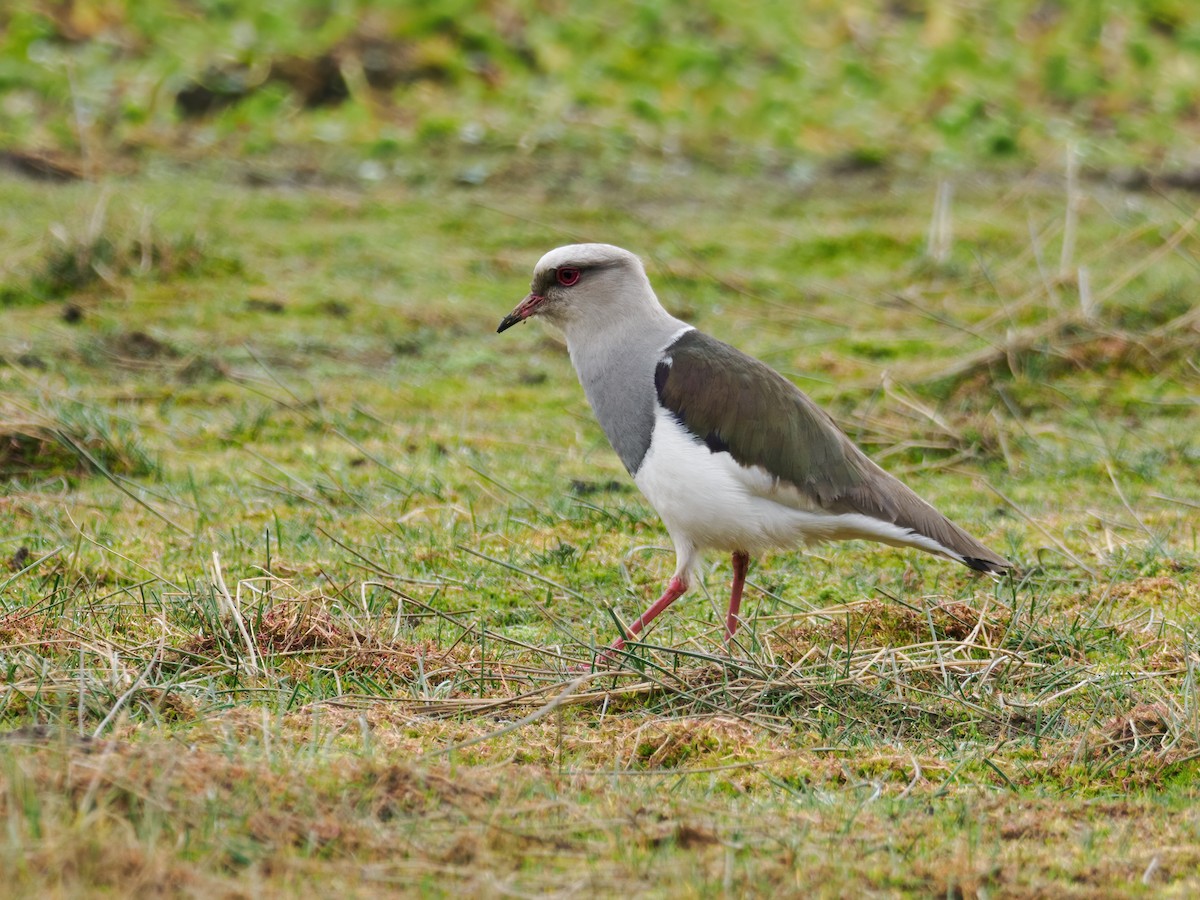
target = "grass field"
x: 302, y: 567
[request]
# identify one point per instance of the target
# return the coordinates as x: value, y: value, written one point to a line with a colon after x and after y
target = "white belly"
x: 707, y: 500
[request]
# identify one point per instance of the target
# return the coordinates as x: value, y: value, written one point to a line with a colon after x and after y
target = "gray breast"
x: 618, y: 379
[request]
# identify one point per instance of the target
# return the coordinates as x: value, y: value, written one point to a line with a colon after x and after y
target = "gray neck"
x: 617, y: 374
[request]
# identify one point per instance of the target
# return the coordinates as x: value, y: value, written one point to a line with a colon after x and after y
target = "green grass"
x: 777, y: 87
x: 422, y: 530
x: 300, y: 562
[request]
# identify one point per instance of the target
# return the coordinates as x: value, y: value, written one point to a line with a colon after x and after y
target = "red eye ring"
x: 566, y: 275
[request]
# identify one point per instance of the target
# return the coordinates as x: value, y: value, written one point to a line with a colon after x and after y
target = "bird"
x: 731, y: 454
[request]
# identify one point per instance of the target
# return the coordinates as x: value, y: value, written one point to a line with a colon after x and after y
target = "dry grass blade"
x: 133, y: 689
x: 542, y: 711
x: 460, y: 706
x: 1054, y: 539
x: 965, y: 677
x: 234, y: 612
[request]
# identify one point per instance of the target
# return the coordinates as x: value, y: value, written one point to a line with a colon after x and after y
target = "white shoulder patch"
x: 676, y: 335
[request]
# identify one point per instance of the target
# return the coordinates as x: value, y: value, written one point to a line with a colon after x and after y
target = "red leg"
x: 741, y: 562
x: 673, y: 592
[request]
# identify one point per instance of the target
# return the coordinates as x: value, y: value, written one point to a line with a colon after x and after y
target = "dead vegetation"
x: 102, y: 252
x: 70, y: 440
x: 359, y: 62
x: 989, y: 669
x: 479, y: 759
x: 370, y: 820
x: 1076, y: 342
x: 949, y: 415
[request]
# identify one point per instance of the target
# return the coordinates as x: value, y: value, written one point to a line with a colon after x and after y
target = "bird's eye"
x: 567, y: 275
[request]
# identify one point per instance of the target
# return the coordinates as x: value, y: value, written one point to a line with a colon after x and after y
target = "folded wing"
x: 738, y: 405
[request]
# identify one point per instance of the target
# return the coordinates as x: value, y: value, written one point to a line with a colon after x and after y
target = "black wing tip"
x: 996, y: 566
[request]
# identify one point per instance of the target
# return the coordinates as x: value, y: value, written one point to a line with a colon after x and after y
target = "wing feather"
x: 736, y: 404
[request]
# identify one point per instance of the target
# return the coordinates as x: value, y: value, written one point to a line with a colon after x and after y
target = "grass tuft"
x: 103, y: 253
x: 72, y: 440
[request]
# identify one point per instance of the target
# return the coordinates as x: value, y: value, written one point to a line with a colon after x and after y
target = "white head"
x: 587, y: 288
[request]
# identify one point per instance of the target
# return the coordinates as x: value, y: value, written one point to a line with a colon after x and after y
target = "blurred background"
x: 390, y: 88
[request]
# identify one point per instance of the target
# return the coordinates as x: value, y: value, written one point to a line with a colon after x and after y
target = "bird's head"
x: 584, y: 283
